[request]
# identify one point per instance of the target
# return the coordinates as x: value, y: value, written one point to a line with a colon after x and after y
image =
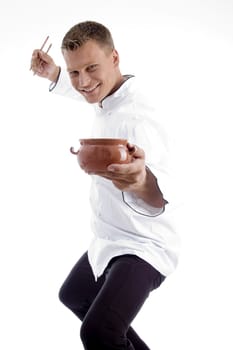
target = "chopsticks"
x: 42, y: 46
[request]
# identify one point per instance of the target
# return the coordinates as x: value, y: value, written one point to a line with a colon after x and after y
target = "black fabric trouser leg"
x: 107, y: 307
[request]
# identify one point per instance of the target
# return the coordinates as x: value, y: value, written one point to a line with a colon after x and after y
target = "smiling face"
x: 93, y: 70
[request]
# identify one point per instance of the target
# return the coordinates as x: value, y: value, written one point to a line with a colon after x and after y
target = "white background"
x: 183, y: 50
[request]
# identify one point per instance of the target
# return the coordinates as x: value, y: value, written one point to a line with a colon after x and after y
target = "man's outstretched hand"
x: 136, y: 178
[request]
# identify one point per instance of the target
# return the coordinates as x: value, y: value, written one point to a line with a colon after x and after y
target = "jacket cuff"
x: 54, y: 83
x: 139, y: 206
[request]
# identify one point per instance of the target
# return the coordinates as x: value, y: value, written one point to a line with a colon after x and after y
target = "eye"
x: 92, y: 67
x: 73, y: 74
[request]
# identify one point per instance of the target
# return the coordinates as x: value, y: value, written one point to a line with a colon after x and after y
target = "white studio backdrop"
x: 183, y: 52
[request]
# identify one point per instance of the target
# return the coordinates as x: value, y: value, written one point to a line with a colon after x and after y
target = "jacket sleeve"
x: 152, y: 138
x: 62, y: 86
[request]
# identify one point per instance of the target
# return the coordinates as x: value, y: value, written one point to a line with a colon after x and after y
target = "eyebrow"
x: 86, y: 66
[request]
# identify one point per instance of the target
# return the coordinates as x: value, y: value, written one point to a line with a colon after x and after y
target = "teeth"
x: 89, y: 90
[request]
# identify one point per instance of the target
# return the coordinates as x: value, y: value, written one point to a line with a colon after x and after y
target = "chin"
x: 92, y: 100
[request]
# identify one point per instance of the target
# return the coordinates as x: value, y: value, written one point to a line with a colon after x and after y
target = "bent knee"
x: 67, y: 296
x: 73, y: 302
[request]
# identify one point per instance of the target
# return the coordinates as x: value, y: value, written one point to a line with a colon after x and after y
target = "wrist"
x: 149, y: 191
x: 54, y: 75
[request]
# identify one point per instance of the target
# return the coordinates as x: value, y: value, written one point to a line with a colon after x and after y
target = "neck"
x: 120, y: 81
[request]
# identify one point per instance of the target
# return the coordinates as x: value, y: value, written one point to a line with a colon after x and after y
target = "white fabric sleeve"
x: 152, y: 138
x: 63, y: 87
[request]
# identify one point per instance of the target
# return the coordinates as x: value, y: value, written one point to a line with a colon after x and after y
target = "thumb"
x: 136, y: 151
x: 45, y: 57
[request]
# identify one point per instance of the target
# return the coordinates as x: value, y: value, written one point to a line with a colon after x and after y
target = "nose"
x: 83, y: 80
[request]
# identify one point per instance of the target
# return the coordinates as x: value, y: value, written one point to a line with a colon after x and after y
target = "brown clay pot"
x: 94, y: 155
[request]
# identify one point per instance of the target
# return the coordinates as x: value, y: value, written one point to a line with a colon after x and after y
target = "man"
x: 135, y: 245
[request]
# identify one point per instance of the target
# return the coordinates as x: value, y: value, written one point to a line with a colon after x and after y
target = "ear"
x: 115, y: 57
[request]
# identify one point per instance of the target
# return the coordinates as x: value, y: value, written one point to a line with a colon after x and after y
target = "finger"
x: 133, y: 167
x: 40, y: 56
x: 119, y: 168
x: 131, y: 148
x: 36, y: 59
x: 112, y: 176
x: 136, y: 151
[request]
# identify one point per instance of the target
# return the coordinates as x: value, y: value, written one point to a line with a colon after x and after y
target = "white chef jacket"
x: 121, y: 222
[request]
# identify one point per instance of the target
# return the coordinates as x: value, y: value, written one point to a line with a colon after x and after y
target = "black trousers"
x: 107, y: 307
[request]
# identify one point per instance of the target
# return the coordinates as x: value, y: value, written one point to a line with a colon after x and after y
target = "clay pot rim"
x: 103, y: 141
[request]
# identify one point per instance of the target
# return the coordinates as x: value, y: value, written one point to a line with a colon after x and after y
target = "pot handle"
x: 73, y: 152
x: 131, y: 149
